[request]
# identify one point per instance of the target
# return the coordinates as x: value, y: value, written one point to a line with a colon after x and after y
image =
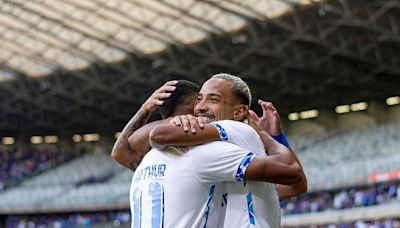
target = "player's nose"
x: 200, y: 107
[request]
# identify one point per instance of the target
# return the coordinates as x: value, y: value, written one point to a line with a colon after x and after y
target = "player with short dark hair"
x: 173, y: 98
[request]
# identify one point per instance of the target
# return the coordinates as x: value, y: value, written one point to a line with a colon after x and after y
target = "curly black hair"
x: 184, y: 89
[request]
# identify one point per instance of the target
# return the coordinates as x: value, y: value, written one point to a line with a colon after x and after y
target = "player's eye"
x: 214, y: 100
x: 198, y: 100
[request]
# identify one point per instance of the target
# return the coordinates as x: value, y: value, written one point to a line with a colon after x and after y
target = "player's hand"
x: 253, y: 120
x: 270, y: 121
x: 189, y: 122
x: 156, y: 99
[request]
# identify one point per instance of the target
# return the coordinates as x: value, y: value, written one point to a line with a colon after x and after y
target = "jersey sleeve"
x: 220, y: 161
x: 240, y: 134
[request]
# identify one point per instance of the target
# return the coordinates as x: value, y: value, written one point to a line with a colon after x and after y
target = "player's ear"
x: 240, y: 112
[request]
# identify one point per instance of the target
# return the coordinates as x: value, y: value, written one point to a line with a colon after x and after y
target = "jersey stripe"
x: 243, y: 166
x: 221, y: 131
x: 210, y: 196
x: 250, y: 208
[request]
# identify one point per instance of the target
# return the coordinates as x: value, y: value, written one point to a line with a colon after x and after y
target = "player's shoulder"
x: 232, y: 123
x: 149, y: 156
x: 233, y: 126
x: 211, y: 149
x: 209, y: 146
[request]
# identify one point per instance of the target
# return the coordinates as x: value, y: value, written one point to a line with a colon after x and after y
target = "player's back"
x: 181, y: 188
x: 252, y: 204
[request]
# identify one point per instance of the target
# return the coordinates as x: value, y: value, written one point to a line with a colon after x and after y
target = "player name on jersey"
x: 150, y: 172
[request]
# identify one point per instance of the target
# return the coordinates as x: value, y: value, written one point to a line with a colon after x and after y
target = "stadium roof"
x: 103, y: 58
x: 41, y: 36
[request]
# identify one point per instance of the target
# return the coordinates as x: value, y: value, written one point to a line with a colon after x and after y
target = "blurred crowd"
x: 122, y: 218
x: 113, y: 218
x: 387, y: 223
x: 311, y: 202
x: 340, y: 199
x: 16, y: 165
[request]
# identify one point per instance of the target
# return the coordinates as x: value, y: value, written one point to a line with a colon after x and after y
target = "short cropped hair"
x: 240, y: 88
x: 184, y: 89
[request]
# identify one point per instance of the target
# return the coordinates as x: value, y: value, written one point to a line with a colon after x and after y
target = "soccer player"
x: 227, y: 97
x: 155, y: 183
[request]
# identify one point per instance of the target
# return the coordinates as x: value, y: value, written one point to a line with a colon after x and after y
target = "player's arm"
x: 279, y: 166
x: 228, y: 162
x: 298, y: 188
x: 169, y: 134
x: 139, y: 144
x: 122, y: 152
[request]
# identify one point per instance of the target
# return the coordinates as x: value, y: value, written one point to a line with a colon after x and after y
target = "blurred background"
x: 73, y: 72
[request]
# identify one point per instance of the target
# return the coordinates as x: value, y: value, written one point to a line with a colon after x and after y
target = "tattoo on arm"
x: 137, y: 121
x: 135, y: 163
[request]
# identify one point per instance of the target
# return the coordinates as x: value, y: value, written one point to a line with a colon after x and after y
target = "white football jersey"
x: 249, y: 204
x: 182, y: 187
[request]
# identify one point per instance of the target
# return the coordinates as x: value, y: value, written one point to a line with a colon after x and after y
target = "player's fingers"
x: 253, y: 119
x: 272, y: 107
x: 185, y: 123
x: 177, y: 120
x: 266, y: 112
x: 158, y: 102
x: 164, y: 89
x: 276, y: 114
x: 264, y: 107
x: 161, y: 95
x: 268, y: 105
x: 249, y: 117
x: 167, y: 88
x: 171, y: 83
x: 194, y: 124
x: 260, y: 102
x: 200, y: 120
x: 171, y: 121
x: 252, y: 116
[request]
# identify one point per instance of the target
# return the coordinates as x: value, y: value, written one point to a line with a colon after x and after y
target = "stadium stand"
x: 351, y: 155
x: 89, y: 184
x: 73, y: 68
x: 386, y: 223
x: 97, y: 219
x: 94, y: 182
x: 17, y: 165
x: 79, y: 170
x: 357, y: 196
